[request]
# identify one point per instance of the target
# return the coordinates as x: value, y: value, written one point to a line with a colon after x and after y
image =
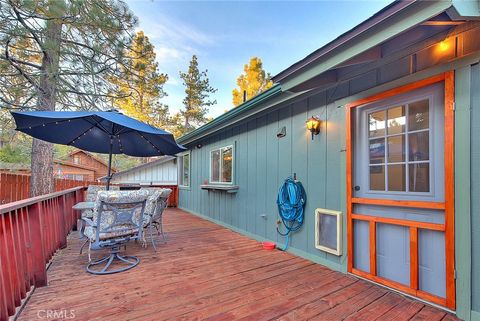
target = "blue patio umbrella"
x: 106, y: 132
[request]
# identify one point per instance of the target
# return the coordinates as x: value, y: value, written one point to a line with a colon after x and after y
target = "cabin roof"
x: 158, y: 161
x: 98, y: 159
x: 362, y: 45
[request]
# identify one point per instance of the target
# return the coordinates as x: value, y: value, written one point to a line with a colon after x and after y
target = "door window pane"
x: 215, y: 170
x: 399, y: 148
x: 396, y: 120
x: 396, y: 149
x: 396, y: 177
x: 377, y: 178
x: 227, y: 165
x: 418, y: 115
x: 418, y: 146
x: 376, y: 124
x: 419, y: 177
x: 377, y: 151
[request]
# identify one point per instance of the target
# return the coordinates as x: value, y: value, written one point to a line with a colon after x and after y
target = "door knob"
x: 356, y: 188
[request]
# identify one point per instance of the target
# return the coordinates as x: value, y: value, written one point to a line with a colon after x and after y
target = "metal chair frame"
x: 124, y: 213
x: 156, y: 219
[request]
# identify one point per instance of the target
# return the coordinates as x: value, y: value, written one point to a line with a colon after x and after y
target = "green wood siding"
x: 263, y: 161
x: 475, y: 185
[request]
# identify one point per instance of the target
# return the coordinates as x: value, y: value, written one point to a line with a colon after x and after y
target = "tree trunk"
x: 42, y: 179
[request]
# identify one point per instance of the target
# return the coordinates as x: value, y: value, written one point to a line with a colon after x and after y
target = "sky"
x: 226, y: 34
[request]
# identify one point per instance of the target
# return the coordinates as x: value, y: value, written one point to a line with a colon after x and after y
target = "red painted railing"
x: 31, y: 231
x: 16, y: 187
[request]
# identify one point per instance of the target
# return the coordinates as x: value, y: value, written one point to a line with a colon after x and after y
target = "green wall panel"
x: 475, y: 185
x: 263, y: 161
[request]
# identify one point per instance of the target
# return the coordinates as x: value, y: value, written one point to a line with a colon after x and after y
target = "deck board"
x: 205, y: 271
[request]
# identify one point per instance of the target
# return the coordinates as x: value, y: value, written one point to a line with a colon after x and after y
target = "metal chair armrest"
x: 88, y: 221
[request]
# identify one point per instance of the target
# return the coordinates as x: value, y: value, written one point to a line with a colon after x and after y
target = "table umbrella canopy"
x: 107, y: 132
x: 93, y: 131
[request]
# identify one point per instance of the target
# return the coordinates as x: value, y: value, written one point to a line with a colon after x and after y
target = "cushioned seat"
x: 90, y: 233
x: 91, y: 196
x: 156, y: 204
x: 117, y: 219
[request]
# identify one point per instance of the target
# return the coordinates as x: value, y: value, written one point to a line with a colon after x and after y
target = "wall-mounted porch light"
x: 313, y: 125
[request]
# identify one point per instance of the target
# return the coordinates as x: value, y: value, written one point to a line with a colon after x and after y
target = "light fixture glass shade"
x: 313, y: 125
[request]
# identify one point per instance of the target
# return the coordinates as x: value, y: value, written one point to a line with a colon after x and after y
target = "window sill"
x: 226, y: 188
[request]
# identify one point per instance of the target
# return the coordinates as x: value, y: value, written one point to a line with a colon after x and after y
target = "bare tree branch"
x: 20, y: 70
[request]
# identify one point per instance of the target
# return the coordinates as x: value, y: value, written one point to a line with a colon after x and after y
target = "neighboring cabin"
x: 159, y: 172
x: 78, y: 165
x: 398, y: 101
x: 80, y: 158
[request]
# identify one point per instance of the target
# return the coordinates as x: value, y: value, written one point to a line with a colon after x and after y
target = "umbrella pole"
x: 109, y: 177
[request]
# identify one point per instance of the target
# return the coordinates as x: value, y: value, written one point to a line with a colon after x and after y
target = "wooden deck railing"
x: 16, y: 187
x: 31, y: 231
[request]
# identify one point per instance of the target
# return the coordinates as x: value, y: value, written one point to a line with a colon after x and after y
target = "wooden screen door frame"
x: 447, y: 205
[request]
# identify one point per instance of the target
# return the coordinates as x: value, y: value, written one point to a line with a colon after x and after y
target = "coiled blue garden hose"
x: 291, y: 201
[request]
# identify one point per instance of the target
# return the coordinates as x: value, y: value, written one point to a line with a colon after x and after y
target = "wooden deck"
x: 208, y: 272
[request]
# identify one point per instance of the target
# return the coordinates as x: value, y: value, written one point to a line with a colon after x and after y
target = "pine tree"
x: 141, y: 84
x: 59, y: 54
x: 253, y: 81
x: 197, y: 99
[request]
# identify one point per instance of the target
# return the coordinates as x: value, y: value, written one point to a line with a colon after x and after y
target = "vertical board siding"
x: 317, y: 150
x: 263, y: 161
x: 475, y: 185
x: 272, y: 176
x: 463, y: 258
x: 157, y: 174
x: 251, y: 173
x: 261, y: 180
x: 300, y: 138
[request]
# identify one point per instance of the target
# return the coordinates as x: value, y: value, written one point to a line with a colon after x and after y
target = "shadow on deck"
x: 207, y: 271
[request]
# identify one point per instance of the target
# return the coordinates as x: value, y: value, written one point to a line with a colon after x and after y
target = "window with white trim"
x: 221, y: 165
x: 184, y: 170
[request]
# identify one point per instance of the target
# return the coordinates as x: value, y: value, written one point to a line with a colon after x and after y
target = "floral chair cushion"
x: 108, y: 216
x: 90, y: 233
x: 92, y: 192
x: 162, y: 203
x: 154, y: 195
x: 91, y: 196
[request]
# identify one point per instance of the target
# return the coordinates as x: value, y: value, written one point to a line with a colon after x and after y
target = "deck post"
x: 38, y: 252
x: 63, y: 225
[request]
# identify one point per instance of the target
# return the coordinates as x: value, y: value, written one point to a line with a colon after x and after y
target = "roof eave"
x: 469, y: 10
x: 231, y: 114
x: 146, y: 165
x: 401, y: 17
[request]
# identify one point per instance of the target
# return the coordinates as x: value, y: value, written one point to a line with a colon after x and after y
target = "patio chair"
x: 156, y: 204
x: 91, y: 196
x: 117, y: 219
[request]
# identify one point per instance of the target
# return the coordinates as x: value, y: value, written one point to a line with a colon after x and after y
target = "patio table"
x: 81, y: 206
